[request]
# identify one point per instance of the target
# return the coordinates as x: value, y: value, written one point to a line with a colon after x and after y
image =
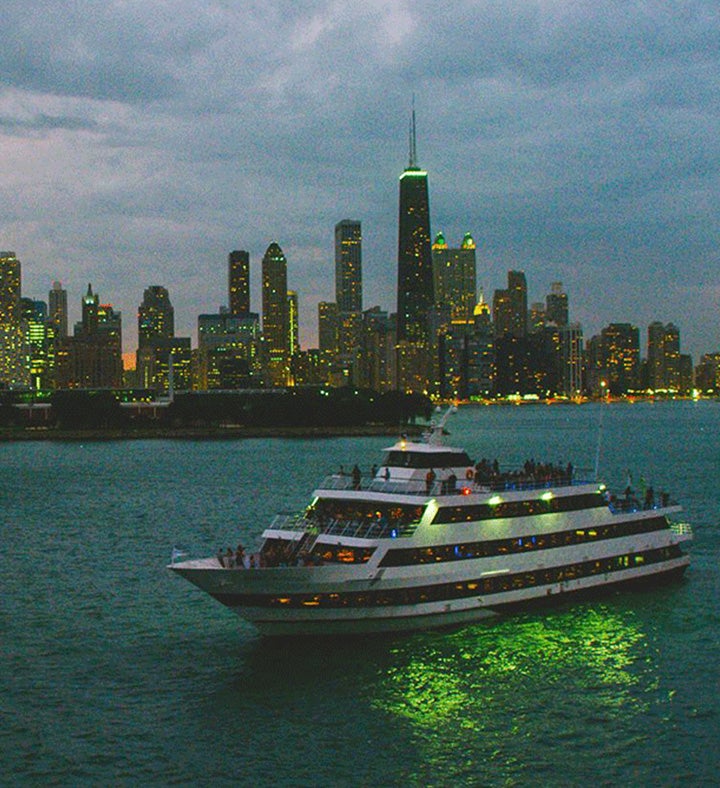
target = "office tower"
x: 275, y: 322
x: 39, y: 345
x: 239, y: 282
x: 481, y: 353
x: 275, y: 319
x: 12, y: 371
x: 376, y: 351
x: 620, y: 357
x: 293, y: 321
x: 415, y: 276
x: 328, y: 327
x: 571, y: 349
x: 454, y: 277
x: 156, y: 316
x: 158, y: 348
x: 348, y: 266
x: 536, y: 318
x: 517, y: 288
x: 510, y: 307
x: 58, y: 310
x: 663, y: 359
x: 556, y: 305
x: 92, y: 357
x: 229, y: 351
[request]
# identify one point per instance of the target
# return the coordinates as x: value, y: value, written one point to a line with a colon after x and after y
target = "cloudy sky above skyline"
x: 577, y: 141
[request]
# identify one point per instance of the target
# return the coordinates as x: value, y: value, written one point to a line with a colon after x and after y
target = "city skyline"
x: 576, y: 145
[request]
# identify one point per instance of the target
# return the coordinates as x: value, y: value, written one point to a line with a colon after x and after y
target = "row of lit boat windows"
x: 457, y: 590
x: 500, y: 508
x: 519, y: 544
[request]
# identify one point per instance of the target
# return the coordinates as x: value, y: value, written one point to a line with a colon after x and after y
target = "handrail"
x: 440, y: 486
x: 359, y: 529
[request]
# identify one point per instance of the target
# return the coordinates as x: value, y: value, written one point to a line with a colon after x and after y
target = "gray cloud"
x: 144, y: 141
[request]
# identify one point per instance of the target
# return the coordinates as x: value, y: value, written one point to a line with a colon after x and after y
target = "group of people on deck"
x: 489, y: 473
x: 238, y: 559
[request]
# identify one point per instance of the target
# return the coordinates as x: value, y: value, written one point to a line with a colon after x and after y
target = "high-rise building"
x: 239, y: 282
x: 556, y: 305
x: 510, y: 311
x: 348, y: 265
x: 275, y: 322
x: 39, y: 345
x: 328, y: 327
x: 156, y: 316
x: 620, y: 357
x: 92, y: 357
x: 293, y: 321
x: 58, y: 310
x: 276, y: 316
x: 12, y: 371
x: 663, y: 358
x: 415, y: 275
x: 228, y: 351
x: 159, y: 350
x: 454, y: 277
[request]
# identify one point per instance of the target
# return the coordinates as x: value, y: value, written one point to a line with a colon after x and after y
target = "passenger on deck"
x: 452, y: 483
x: 240, y: 557
x: 229, y: 558
x: 356, y: 476
x: 221, y: 558
x: 429, y: 479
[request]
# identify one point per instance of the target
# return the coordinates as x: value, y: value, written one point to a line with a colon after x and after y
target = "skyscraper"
x: 156, y: 316
x: 58, y: 310
x: 663, y: 357
x: 415, y: 275
x: 275, y: 318
x: 11, y: 335
x: 293, y: 321
x: 239, y: 282
x: 556, y: 305
x: 348, y: 266
x: 510, y: 307
x: 454, y: 274
x: 92, y: 357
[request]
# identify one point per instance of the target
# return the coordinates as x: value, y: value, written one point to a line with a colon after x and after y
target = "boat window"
x: 486, y: 511
x: 519, y: 544
x: 435, y: 459
x: 327, y: 510
x: 457, y: 589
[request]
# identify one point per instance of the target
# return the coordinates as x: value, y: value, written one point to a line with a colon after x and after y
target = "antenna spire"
x: 413, y: 138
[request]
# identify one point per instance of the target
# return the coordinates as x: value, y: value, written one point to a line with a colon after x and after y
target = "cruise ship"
x: 432, y: 538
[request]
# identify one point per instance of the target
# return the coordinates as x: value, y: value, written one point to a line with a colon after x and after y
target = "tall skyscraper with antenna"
x: 415, y: 273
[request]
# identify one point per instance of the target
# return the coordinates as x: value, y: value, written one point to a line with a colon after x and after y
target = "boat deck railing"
x: 355, y: 528
x: 442, y: 486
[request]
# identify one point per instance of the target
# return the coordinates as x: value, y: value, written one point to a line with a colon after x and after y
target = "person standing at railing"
x: 356, y: 476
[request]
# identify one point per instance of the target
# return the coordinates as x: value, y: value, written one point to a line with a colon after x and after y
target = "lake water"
x: 112, y: 671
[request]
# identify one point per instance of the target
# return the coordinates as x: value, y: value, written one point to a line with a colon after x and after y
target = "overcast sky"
x: 577, y: 141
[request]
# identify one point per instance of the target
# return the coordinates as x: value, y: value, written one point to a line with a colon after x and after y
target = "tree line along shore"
x: 105, y: 414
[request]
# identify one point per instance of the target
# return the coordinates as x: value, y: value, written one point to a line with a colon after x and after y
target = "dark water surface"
x: 114, y: 672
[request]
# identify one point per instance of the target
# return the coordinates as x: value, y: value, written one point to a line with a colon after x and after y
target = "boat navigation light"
x: 495, y: 500
x: 547, y: 496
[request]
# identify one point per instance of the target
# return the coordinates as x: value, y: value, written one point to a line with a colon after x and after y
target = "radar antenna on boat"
x: 434, y: 436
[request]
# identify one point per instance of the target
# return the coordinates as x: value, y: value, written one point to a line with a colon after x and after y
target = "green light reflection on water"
x: 477, y: 693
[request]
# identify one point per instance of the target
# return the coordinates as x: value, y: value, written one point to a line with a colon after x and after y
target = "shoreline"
x: 235, y: 432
